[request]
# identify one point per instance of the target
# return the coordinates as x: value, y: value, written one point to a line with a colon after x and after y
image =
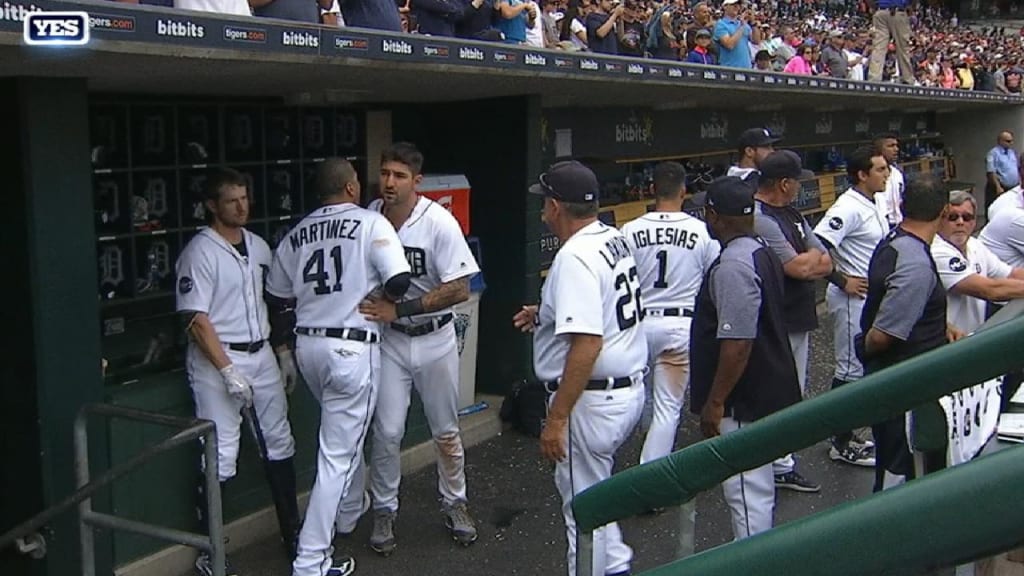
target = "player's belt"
x: 598, y: 383
x: 250, y: 347
x: 435, y: 323
x: 357, y: 334
x: 684, y: 312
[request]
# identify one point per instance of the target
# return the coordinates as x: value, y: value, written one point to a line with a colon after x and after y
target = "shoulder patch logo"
x: 568, y: 319
x: 726, y: 327
x: 184, y: 285
x: 835, y: 223
x: 957, y: 264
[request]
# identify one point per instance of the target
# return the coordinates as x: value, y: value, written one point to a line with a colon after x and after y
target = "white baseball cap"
x: 728, y: 2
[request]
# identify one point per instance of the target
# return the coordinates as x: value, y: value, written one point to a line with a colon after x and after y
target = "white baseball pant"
x: 845, y: 311
x: 800, y: 343
x: 599, y: 424
x: 668, y: 342
x: 430, y: 363
x: 214, y: 403
x: 342, y: 375
x: 750, y: 495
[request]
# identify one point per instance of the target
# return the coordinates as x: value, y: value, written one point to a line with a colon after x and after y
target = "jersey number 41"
x: 315, y: 271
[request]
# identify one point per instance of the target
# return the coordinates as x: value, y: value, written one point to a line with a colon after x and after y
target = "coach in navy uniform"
x: 905, y: 315
x: 742, y: 364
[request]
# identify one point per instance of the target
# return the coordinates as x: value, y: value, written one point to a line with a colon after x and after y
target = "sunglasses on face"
x: 953, y: 217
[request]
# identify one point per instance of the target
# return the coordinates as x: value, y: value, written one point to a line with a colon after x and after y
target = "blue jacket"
x: 695, y: 57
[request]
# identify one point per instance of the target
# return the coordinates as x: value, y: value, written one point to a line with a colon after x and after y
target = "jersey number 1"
x: 314, y: 272
x: 662, y: 257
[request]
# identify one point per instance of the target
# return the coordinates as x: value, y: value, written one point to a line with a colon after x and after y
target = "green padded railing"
x: 679, y: 477
x: 943, y: 519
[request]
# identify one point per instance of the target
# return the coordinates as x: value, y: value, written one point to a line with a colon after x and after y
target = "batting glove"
x: 289, y: 373
x: 237, y: 385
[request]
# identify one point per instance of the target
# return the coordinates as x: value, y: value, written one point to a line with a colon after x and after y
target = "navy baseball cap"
x: 730, y: 196
x: 757, y: 138
x: 784, y: 164
x: 568, y: 181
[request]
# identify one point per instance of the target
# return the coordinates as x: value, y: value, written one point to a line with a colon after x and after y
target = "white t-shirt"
x: 673, y: 251
x: 1004, y: 236
x: 854, y: 227
x: 216, y: 280
x: 965, y: 312
x: 331, y: 260
x: 1012, y: 198
x: 854, y: 71
x: 435, y: 248
x: 535, y: 35
x: 236, y: 7
x: 889, y: 202
x: 575, y: 27
x: 592, y: 288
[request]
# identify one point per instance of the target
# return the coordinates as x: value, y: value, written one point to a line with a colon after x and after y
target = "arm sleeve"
x: 1015, y: 237
x: 578, y: 302
x: 768, y: 229
x: 811, y: 239
x: 835, y: 224
x: 712, y: 249
x: 907, y: 291
x: 279, y: 281
x: 951, y: 265
x: 195, y: 281
x: 452, y: 254
x: 990, y: 161
x: 736, y: 291
x: 719, y: 31
x: 386, y: 255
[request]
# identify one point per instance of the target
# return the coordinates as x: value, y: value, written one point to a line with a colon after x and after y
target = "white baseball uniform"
x: 1004, y: 236
x: 965, y: 312
x: 328, y: 263
x: 593, y: 288
x: 236, y: 7
x: 853, y: 226
x: 1012, y: 198
x: 423, y: 352
x: 673, y: 251
x: 215, y: 279
x: 889, y: 203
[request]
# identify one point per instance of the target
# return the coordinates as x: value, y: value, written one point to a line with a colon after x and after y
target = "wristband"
x: 837, y: 278
x: 409, y: 307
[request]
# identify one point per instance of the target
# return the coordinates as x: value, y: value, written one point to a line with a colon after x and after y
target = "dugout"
x: 157, y: 94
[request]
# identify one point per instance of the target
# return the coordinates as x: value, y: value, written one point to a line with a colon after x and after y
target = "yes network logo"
x: 56, y: 29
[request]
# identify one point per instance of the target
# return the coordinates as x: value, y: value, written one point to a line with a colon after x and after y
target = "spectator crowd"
x: 811, y: 37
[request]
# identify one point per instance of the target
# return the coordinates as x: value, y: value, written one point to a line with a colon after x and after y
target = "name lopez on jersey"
x: 334, y: 229
x: 665, y: 236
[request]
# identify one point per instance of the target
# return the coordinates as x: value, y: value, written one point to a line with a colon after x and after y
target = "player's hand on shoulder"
x: 378, y: 309
x: 525, y: 319
x: 237, y: 385
x: 289, y: 372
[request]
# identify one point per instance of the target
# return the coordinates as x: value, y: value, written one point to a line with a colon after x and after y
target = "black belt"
x: 684, y: 312
x: 598, y: 384
x: 250, y: 347
x: 356, y: 334
x: 435, y: 323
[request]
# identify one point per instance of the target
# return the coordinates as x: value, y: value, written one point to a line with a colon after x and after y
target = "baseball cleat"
x: 795, y: 481
x: 344, y: 567
x: 382, y: 540
x: 460, y: 523
x: 852, y: 454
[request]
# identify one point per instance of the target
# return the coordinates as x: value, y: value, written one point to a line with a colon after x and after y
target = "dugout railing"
x: 943, y: 519
x: 28, y: 539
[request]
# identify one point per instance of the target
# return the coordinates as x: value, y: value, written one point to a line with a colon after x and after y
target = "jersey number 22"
x: 628, y: 310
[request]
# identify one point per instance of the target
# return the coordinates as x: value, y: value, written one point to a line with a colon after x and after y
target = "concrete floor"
x: 521, y: 532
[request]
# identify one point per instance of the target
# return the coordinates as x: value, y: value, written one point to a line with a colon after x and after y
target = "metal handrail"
x: 190, y: 429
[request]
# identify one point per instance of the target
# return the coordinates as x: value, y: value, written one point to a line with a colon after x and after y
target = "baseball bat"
x: 249, y: 414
